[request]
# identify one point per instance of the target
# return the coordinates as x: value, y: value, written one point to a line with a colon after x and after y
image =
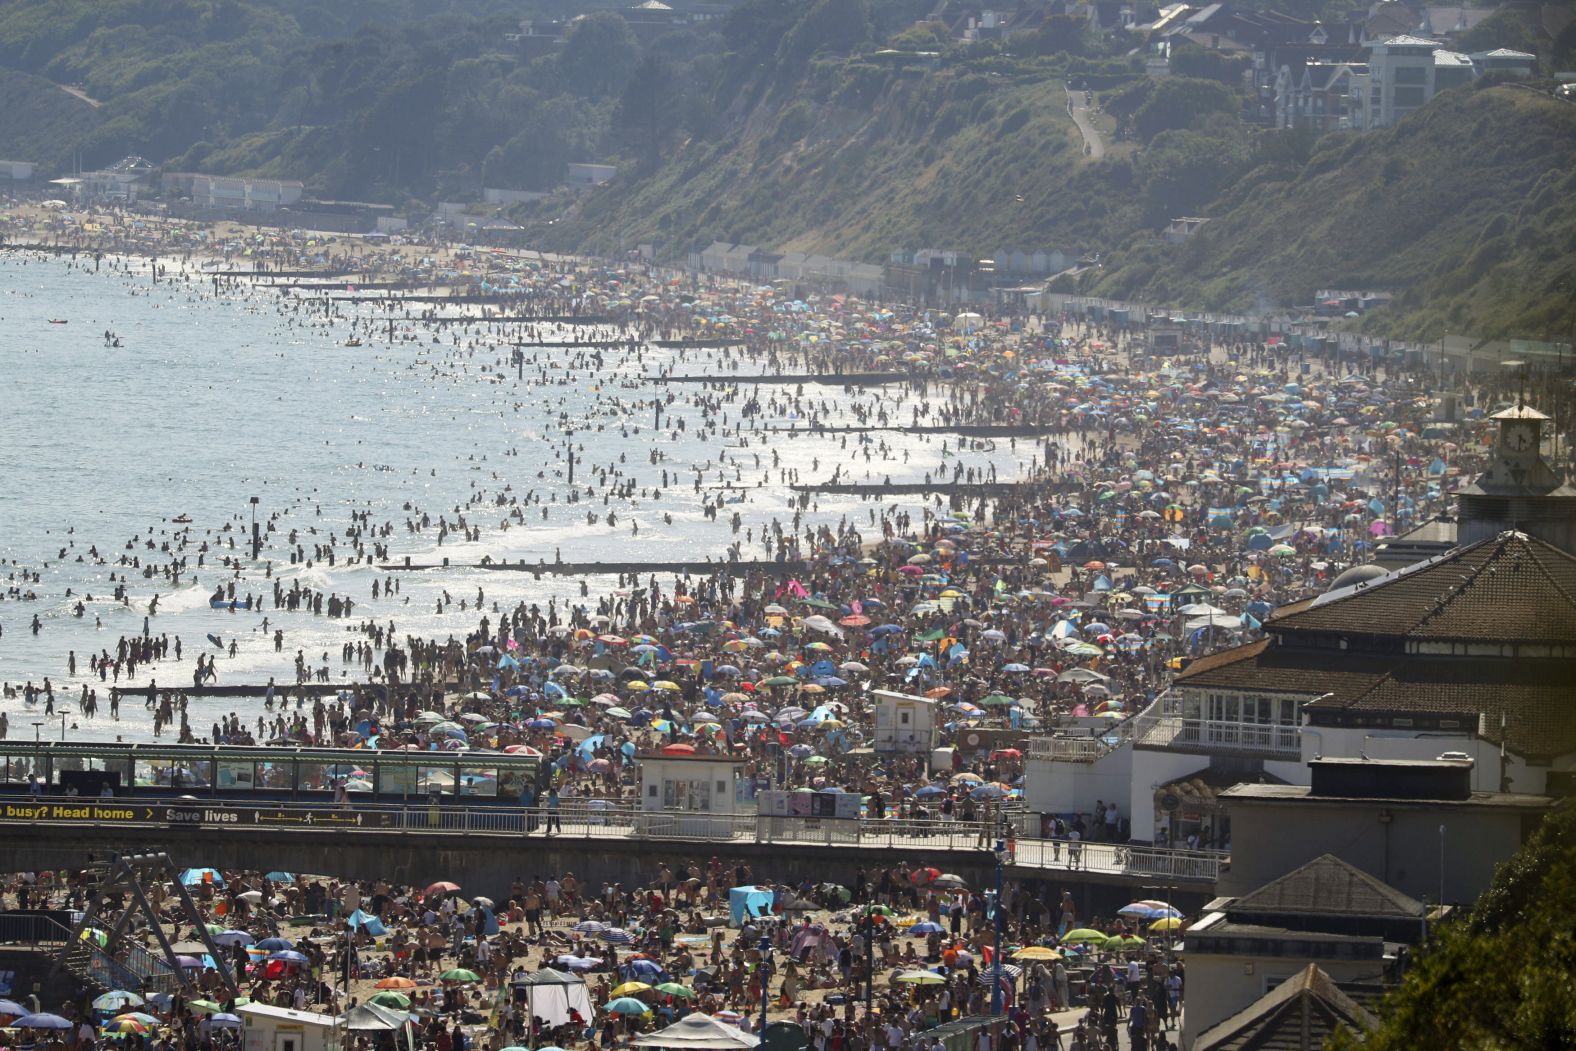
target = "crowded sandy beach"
x: 690, y: 516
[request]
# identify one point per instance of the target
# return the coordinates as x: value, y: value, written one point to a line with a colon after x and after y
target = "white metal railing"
x: 1075, y: 749
x: 1120, y: 859
x: 1193, y: 734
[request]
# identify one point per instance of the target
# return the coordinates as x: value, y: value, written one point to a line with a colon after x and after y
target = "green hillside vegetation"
x: 356, y: 97
x: 862, y: 160
x: 1501, y: 979
x: 1467, y: 211
x: 841, y: 127
x: 39, y: 122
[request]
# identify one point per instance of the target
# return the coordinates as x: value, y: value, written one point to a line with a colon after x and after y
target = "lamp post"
x: 37, y: 745
x: 1441, y: 866
x: 766, y: 979
x: 870, y: 963
x: 1001, y: 921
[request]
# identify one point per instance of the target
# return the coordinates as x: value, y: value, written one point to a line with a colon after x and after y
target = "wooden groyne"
x: 587, y: 569
x: 967, y: 430
x: 213, y: 689
x: 834, y: 379
x: 909, y: 488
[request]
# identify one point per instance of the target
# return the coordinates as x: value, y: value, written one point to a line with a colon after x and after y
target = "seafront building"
x: 1468, y: 655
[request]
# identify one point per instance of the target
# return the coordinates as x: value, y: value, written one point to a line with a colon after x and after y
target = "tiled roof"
x: 1507, y: 590
x: 1300, y: 1014
x: 1325, y: 886
x: 1221, y: 659
x: 1512, y: 588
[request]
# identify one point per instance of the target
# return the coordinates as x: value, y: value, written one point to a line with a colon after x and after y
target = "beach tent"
x: 552, y: 995
x: 748, y: 901
x: 699, y: 1031
x: 197, y: 877
x: 374, y: 1018
x: 374, y: 926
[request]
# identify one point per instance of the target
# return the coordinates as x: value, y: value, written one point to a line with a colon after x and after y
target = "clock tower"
x: 1519, y: 489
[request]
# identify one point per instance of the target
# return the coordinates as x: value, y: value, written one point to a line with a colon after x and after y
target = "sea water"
x: 214, y: 398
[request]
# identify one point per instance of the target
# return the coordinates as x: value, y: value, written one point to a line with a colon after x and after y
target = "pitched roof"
x: 1512, y: 588
x: 1325, y: 886
x: 1389, y: 18
x: 1406, y: 40
x: 1300, y: 1014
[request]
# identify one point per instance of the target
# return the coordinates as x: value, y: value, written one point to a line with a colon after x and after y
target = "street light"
x: 870, y: 963
x: 766, y: 978
x: 1001, y: 920
x: 37, y: 743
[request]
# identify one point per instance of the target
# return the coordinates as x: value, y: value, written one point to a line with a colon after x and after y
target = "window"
x: 396, y: 779
x: 478, y: 781
x: 173, y: 773
x: 235, y: 775
x: 279, y: 776
x: 1409, y: 97
x: 314, y: 777
x: 1411, y: 75
x: 431, y: 779
x: 686, y: 795
x: 512, y: 782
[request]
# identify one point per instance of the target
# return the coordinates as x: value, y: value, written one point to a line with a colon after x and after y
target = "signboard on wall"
x: 836, y: 805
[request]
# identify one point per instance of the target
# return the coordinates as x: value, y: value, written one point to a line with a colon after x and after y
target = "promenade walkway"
x: 593, y: 822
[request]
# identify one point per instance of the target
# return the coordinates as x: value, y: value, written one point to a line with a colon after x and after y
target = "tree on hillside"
x: 1191, y: 60
x: 829, y: 25
x: 1182, y: 102
x: 598, y: 55
x: 1504, y: 28
x: 1502, y: 977
x: 1183, y: 170
x: 927, y: 36
x: 1061, y: 35
x: 650, y: 109
x: 755, y: 28
x: 554, y: 132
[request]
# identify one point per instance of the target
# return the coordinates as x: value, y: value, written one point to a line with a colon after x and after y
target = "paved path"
x: 78, y: 93
x: 1094, y: 148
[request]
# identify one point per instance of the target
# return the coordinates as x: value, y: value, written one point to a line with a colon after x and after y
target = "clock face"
x: 1520, y: 437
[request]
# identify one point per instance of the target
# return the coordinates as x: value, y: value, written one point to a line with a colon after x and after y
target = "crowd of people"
x: 877, y: 964
x: 1171, y: 500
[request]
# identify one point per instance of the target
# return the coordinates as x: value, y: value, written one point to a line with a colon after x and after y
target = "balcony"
x: 1071, y: 749
x: 1180, y: 733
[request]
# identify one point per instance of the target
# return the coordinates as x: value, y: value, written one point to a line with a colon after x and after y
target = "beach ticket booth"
x: 693, y: 795
x: 268, y: 1028
x: 904, y: 724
